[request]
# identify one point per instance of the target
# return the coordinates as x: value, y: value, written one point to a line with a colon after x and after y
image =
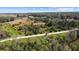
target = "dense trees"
x: 45, y: 43
x: 6, y: 19
x: 37, y: 43
x: 53, y: 22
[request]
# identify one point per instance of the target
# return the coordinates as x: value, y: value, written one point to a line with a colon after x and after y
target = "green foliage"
x: 44, y: 43
x: 11, y: 30
x: 53, y: 22
x: 75, y: 45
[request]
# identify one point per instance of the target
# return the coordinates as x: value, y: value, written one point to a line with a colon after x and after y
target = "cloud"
x: 65, y: 9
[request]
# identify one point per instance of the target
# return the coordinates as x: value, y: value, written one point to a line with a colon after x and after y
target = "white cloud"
x: 66, y: 9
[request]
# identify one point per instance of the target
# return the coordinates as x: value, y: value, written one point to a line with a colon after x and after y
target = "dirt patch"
x: 21, y: 21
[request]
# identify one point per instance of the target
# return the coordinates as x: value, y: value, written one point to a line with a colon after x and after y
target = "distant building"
x: 70, y: 19
x: 31, y: 17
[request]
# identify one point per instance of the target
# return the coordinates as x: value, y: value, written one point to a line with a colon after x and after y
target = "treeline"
x: 61, y: 15
x: 6, y: 19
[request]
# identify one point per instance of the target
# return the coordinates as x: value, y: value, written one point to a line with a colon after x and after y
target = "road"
x: 30, y: 36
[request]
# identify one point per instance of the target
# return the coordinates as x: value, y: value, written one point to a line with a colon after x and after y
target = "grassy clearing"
x: 11, y: 30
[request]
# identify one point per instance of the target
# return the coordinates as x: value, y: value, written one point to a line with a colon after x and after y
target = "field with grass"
x: 11, y: 31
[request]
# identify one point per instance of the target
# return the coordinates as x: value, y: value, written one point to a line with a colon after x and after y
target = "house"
x: 69, y: 19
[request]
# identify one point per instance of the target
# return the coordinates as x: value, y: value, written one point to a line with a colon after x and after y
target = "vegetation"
x: 53, y: 22
x: 11, y: 31
x: 43, y: 43
x: 36, y: 43
x: 40, y: 23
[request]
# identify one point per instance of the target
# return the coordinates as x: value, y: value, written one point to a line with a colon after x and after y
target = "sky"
x: 37, y: 9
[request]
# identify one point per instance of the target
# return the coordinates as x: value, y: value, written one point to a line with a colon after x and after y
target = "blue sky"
x: 37, y: 9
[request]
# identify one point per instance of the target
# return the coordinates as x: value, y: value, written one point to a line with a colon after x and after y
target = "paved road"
x: 30, y: 36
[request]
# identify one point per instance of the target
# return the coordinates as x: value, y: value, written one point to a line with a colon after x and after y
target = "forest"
x: 44, y: 43
x: 26, y: 24
x: 38, y: 23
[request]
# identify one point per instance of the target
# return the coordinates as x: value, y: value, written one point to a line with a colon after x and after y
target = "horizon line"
x: 37, y: 9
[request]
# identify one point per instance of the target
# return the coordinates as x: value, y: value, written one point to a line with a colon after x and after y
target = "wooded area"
x: 38, y: 23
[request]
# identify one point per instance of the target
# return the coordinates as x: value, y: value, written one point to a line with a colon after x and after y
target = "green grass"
x: 11, y: 30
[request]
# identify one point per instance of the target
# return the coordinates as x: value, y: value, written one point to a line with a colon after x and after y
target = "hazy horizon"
x: 37, y: 9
